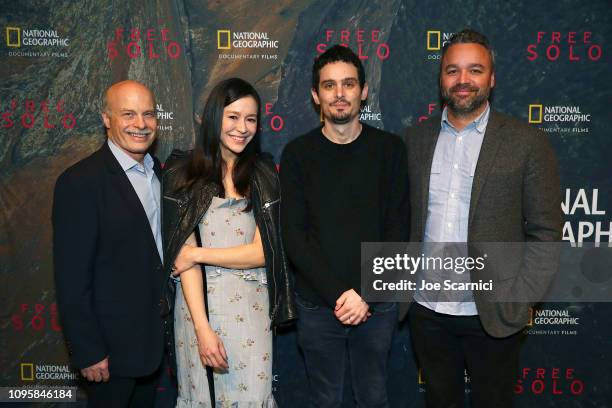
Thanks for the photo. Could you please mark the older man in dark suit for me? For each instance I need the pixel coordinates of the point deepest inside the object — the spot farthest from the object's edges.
(477, 176)
(108, 255)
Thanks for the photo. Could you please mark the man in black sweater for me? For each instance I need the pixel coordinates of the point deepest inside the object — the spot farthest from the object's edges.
(342, 184)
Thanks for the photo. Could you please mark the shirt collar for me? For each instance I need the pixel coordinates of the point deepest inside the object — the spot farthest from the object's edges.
(480, 123)
(125, 161)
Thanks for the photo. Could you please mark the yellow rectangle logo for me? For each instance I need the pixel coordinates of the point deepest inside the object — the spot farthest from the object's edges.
(16, 34)
(420, 378)
(535, 113)
(436, 36)
(228, 43)
(27, 371)
(530, 321)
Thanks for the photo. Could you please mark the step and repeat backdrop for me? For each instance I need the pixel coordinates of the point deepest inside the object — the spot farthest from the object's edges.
(553, 71)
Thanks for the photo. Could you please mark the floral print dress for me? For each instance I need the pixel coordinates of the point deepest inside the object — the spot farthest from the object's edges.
(238, 310)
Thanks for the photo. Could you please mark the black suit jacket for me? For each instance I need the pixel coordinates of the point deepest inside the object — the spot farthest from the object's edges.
(108, 273)
(515, 198)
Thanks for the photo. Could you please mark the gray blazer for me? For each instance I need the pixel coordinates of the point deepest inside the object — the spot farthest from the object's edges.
(515, 197)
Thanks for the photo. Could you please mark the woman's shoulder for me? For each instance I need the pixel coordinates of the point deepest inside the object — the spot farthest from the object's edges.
(265, 162)
(176, 160)
(174, 169)
(265, 176)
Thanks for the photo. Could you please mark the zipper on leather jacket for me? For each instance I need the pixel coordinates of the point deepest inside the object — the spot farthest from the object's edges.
(267, 204)
(277, 289)
(266, 207)
(180, 203)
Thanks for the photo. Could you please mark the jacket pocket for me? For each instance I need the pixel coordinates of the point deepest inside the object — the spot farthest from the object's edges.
(436, 164)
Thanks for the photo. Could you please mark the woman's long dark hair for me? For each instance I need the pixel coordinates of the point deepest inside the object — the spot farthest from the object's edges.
(206, 161)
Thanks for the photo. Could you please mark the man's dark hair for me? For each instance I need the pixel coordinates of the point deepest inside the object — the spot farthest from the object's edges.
(334, 54)
(469, 36)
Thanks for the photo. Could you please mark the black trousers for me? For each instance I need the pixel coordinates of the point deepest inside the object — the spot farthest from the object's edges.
(123, 392)
(445, 345)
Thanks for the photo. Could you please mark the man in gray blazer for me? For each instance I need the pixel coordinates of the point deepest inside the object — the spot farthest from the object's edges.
(476, 176)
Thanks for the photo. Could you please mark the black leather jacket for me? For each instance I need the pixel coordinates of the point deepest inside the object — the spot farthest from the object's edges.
(182, 211)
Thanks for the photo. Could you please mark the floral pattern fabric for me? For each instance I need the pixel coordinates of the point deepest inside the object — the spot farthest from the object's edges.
(238, 313)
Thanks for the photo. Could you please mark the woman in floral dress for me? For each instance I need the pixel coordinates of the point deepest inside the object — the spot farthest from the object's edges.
(235, 338)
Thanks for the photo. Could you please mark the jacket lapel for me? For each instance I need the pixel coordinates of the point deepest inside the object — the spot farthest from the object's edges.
(428, 148)
(157, 169)
(197, 198)
(128, 194)
(486, 159)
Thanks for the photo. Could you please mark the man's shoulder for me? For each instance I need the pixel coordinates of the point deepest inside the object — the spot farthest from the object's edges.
(520, 132)
(86, 171)
(305, 138)
(424, 126)
(511, 122)
(422, 129)
(302, 143)
(382, 137)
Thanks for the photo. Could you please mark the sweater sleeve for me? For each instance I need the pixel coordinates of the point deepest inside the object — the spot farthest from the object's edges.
(303, 248)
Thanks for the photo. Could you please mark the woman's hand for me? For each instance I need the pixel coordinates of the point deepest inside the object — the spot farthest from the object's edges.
(184, 260)
(211, 349)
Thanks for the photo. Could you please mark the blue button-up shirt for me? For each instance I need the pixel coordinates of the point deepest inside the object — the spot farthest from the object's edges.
(147, 187)
(450, 189)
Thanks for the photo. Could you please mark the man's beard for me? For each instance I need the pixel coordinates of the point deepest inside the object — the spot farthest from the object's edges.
(467, 106)
(340, 118)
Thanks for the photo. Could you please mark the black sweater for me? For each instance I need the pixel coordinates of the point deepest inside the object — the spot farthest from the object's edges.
(335, 196)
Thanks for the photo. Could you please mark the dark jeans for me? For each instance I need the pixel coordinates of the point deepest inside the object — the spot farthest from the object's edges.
(445, 345)
(326, 343)
(123, 392)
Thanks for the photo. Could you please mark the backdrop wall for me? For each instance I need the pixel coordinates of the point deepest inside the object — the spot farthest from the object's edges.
(58, 57)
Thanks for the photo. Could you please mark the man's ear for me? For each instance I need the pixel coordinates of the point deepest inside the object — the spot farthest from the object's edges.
(315, 96)
(364, 92)
(106, 120)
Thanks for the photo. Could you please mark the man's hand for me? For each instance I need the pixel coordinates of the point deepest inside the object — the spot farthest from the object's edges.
(184, 260)
(351, 308)
(97, 372)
